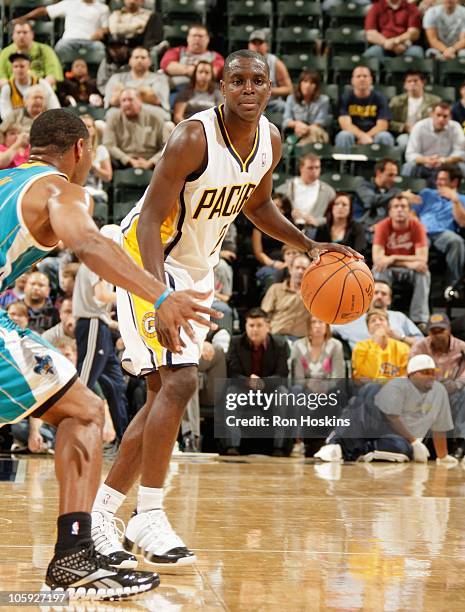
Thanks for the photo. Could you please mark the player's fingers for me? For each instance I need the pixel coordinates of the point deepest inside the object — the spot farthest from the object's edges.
(187, 327)
(211, 312)
(205, 322)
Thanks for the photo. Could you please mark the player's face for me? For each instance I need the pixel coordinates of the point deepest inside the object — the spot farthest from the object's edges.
(257, 330)
(246, 88)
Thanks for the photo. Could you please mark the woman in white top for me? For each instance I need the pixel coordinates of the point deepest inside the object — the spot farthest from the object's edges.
(101, 170)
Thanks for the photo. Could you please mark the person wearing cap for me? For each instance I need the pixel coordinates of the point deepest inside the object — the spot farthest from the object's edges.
(380, 357)
(401, 414)
(12, 94)
(448, 353)
(44, 61)
(281, 84)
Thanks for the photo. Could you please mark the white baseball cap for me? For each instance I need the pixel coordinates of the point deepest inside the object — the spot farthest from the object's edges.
(420, 362)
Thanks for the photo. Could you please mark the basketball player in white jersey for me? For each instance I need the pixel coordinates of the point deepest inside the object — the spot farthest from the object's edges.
(215, 164)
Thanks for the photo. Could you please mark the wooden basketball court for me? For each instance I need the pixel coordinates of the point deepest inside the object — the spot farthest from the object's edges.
(274, 534)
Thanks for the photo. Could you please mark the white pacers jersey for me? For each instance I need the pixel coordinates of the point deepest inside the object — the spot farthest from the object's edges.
(194, 230)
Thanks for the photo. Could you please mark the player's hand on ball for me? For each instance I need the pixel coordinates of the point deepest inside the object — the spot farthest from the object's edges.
(175, 313)
(318, 248)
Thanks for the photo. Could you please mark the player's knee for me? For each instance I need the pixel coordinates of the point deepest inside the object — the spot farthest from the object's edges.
(180, 385)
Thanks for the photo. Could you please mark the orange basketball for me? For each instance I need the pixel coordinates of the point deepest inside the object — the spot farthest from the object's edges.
(338, 289)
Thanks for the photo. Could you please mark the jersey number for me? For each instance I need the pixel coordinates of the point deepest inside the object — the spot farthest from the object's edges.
(224, 229)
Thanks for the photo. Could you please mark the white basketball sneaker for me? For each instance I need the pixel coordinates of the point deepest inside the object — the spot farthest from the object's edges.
(106, 536)
(151, 535)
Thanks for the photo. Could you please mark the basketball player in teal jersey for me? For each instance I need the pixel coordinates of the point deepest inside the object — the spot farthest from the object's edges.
(215, 164)
(41, 202)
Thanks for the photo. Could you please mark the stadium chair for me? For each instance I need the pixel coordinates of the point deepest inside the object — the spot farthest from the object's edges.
(179, 12)
(129, 185)
(176, 34)
(297, 12)
(101, 212)
(121, 209)
(452, 72)
(21, 7)
(44, 32)
(324, 151)
(344, 65)
(332, 91)
(296, 39)
(92, 57)
(238, 36)
(407, 182)
(275, 117)
(295, 63)
(250, 12)
(374, 153)
(341, 182)
(448, 94)
(346, 40)
(396, 67)
(279, 178)
(348, 14)
(86, 109)
(388, 90)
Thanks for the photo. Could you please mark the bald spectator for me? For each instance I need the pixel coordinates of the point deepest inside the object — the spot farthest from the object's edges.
(44, 61)
(445, 30)
(153, 87)
(281, 84)
(179, 62)
(13, 92)
(392, 26)
(35, 104)
(41, 311)
(134, 136)
(283, 302)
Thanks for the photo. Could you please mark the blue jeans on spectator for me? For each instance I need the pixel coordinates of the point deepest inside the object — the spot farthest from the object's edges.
(346, 140)
(452, 245)
(379, 53)
(64, 47)
(227, 321)
(20, 432)
(419, 309)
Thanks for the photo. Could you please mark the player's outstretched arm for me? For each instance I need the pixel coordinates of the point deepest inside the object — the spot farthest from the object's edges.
(263, 213)
(70, 221)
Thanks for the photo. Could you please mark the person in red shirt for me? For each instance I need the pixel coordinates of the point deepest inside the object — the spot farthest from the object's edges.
(392, 26)
(400, 254)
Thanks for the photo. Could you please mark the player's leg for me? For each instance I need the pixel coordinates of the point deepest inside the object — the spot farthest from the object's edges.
(75, 567)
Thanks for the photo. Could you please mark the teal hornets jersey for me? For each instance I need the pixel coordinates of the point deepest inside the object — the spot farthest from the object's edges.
(18, 248)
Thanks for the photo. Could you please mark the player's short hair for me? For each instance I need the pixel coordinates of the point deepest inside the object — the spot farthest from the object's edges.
(246, 54)
(58, 130)
(256, 313)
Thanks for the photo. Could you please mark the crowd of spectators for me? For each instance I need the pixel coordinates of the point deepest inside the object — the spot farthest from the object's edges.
(395, 224)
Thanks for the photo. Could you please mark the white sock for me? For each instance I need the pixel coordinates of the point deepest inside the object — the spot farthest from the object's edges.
(149, 499)
(108, 500)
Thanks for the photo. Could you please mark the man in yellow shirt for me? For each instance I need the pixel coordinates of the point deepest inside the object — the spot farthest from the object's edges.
(380, 357)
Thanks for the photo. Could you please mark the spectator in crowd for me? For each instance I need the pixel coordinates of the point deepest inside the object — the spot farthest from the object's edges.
(259, 358)
(448, 353)
(283, 302)
(14, 149)
(35, 105)
(101, 170)
(153, 88)
(408, 108)
(400, 254)
(307, 112)
(67, 279)
(79, 87)
(130, 22)
(18, 313)
(134, 136)
(65, 327)
(400, 326)
(281, 84)
(458, 109)
(380, 356)
(372, 196)
(402, 413)
(317, 356)
(442, 212)
(200, 94)
(116, 60)
(392, 26)
(340, 226)
(433, 142)
(223, 279)
(16, 293)
(44, 61)
(41, 311)
(86, 23)
(14, 91)
(445, 30)
(179, 62)
(268, 250)
(308, 195)
(364, 113)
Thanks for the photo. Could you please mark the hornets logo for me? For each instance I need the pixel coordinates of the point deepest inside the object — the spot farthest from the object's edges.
(44, 365)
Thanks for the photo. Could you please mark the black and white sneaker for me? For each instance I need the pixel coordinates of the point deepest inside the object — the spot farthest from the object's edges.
(151, 535)
(106, 536)
(85, 574)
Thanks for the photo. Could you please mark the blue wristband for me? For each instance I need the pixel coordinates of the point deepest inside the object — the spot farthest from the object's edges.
(168, 291)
